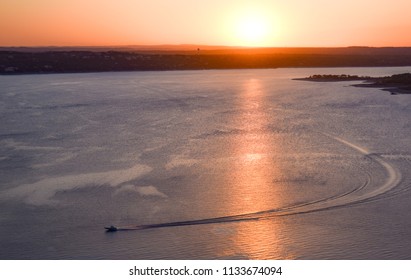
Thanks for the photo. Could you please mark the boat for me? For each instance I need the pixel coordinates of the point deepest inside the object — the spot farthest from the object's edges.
(111, 229)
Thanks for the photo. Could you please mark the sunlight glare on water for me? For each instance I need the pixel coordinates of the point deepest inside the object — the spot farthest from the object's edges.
(251, 181)
(250, 184)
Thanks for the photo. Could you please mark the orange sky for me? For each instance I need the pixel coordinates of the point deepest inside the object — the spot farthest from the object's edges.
(210, 22)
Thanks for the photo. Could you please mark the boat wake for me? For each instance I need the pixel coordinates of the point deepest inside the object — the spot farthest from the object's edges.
(364, 193)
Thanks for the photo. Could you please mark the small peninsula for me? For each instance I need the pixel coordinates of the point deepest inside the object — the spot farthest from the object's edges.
(395, 84)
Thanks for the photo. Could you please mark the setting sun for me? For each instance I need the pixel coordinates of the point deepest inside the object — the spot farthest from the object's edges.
(252, 30)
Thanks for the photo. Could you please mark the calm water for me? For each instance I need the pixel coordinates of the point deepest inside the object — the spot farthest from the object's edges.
(255, 165)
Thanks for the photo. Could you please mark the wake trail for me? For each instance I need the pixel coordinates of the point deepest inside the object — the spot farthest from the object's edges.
(393, 178)
(393, 174)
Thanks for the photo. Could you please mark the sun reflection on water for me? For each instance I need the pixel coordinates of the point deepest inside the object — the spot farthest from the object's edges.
(253, 168)
(252, 187)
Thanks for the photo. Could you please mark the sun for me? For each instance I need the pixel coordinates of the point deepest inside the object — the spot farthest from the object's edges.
(253, 30)
(253, 26)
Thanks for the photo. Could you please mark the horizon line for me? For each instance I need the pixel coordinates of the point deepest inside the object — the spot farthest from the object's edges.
(198, 45)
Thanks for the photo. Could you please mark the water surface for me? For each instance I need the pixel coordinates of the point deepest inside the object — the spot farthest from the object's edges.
(233, 164)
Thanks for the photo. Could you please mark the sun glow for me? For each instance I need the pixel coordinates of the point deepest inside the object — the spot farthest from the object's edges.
(254, 29)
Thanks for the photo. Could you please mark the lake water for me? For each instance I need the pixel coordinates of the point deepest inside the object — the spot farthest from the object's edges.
(234, 164)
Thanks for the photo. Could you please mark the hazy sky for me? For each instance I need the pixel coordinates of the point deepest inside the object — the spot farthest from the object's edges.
(211, 22)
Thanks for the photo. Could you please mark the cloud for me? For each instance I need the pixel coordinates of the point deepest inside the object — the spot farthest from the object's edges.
(43, 191)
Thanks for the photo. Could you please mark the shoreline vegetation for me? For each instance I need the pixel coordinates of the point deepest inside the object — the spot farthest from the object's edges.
(395, 84)
(49, 60)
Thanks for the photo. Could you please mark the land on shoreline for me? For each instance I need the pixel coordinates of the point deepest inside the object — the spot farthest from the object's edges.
(395, 84)
(190, 57)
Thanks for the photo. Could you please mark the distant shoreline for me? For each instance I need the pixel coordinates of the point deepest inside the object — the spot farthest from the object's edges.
(395, 84)
(54, 60)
